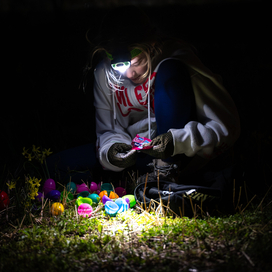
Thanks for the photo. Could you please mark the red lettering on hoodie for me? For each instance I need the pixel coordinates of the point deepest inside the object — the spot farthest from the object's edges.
(123, 102)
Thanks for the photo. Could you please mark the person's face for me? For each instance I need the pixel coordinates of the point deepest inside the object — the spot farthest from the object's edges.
(137, 68)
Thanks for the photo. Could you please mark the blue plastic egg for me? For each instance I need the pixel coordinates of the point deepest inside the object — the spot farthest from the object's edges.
(53, 195)
(71, 187)
(111, 208)
(95, 198)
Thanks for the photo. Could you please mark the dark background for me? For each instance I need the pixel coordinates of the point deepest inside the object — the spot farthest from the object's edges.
(43, 52)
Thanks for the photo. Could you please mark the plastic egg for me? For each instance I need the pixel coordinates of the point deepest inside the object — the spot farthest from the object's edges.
(120, 191)
(95, 198)
(82, 187)
(80, 200)
(105, 199)
(122, 204)
(113, 195)
(39, 197)
(101, 194)
(69, 196)
(132, 201)
(71, 187)
(93, 187)
(4, 200)
(53, 195)
(107, 186)
(84, 194)
(85, 210)
(111, 208)
(127, 200)
(57, 208)
(49, 185)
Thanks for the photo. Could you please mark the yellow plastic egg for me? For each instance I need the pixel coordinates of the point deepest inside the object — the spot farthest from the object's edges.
(57, 208)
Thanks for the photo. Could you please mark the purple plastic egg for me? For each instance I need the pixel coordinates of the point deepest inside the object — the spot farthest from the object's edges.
(82, 187)
(48, 186)
(93, 186)
(39, 197)
(53, 195)
(120, 191)
(105, 199)
(127, 200)
(85, 210)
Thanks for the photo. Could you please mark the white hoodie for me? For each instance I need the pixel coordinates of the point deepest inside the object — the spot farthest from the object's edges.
(123, 114)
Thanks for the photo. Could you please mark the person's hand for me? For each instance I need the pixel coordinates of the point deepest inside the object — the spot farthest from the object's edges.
(163, 146)
(121, 155)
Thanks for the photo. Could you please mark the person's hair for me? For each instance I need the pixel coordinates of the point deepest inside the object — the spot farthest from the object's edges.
(126, 27)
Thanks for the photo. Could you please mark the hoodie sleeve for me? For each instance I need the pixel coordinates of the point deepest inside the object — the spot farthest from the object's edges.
(108, 132)
(217, 126)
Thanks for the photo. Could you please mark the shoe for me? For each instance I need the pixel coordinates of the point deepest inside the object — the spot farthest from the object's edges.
(160, 170)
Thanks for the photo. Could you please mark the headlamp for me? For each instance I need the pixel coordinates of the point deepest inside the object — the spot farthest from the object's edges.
(120, 66)
(120, 60)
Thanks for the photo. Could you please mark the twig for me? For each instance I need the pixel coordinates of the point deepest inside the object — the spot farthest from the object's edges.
(22, 221)
(145, 189)
(264, 198)
(12, 226)
(180, 211)
(245, 191)
(248, 203)
(192, 205)
(233, 196)
(239, 197)
(247, 257)
(98, 209)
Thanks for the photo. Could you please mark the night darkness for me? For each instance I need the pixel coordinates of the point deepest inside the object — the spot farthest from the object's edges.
(44, 51)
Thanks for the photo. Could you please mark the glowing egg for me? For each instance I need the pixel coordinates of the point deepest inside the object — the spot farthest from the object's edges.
(120, 191)
(85, 210)
(57, 208)
(95, 198)
(111, 208)
(53, 195)
(48, 186)
(4, 200)
(71, 187)
(82, 187)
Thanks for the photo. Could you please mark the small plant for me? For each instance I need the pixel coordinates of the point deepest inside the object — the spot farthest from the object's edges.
(37, 154)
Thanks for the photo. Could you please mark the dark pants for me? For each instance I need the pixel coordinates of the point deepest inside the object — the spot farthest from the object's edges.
(174, 104)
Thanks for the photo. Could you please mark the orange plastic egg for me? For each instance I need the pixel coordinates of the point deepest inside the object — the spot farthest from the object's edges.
(102, 193)
(113, 195)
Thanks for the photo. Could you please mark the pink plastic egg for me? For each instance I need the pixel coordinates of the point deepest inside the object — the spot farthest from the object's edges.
(4, 200)
(82, 187)
(120, 191)
(85, 210)
(93, 187)
(48, 186)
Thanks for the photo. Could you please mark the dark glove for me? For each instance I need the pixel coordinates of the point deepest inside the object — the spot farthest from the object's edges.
(121, 155)
(163, 146)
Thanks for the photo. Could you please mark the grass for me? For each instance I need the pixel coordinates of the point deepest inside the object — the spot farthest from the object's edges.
(136, 240)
